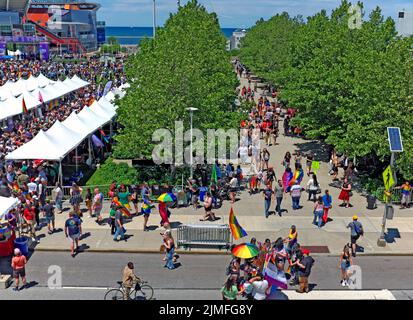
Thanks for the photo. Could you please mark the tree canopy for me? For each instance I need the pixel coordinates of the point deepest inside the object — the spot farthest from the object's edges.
(349, 84)
(186, 65)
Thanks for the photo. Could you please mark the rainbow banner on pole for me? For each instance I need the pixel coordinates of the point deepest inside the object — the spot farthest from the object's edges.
(237, 231)
(298, 176)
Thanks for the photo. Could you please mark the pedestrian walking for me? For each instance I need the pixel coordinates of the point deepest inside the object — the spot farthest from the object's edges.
(279, 195)
(287, 160)
(209, 215)
(120, 230)
(169, 244)
(58, 197)
(98, 205)
(112, 217)
(346, 262)
(291, 240)
(304, 270)
(73, 230)
(268, 194)
(406, 193)
(328, 204)
(164, 213)
(295, 193)
(88, 202)
(49, 213)
(229, 291)
(233, 188)
(345, 194)
(318, 212)
(146, 209)
(29, 219)
(265, 158)
(76, 198)
(312, 188)
(356, 230)
(309, 162)
(18, 264)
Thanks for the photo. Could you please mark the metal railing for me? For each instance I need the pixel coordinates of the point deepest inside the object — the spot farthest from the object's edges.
(204, 235)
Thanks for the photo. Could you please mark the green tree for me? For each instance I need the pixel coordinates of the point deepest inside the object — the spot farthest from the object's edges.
(348, 84)
(185, 66)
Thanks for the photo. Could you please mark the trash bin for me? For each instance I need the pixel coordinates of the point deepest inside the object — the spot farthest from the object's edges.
(22, 243)
(371, 202)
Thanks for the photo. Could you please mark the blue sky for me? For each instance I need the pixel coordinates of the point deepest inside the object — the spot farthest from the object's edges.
(231, 13)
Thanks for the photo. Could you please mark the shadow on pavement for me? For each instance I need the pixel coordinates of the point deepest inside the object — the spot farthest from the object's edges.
(391, 235)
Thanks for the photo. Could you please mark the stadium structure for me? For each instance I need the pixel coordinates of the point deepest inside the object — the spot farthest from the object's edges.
(67, 25)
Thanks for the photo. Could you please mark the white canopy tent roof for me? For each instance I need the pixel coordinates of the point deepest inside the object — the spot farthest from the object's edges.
(6, 204)
(30, 88)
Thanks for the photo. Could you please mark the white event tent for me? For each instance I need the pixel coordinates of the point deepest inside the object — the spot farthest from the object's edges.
(63, 137)
(6, 204)
(12, 93)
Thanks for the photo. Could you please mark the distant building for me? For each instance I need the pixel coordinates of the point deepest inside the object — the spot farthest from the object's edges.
(404, 23)
(69, 25)
(235, 41)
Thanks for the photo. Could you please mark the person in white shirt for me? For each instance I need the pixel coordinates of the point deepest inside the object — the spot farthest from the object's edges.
(260, 286)
(32, 186)
(233, 184)
(295, 193)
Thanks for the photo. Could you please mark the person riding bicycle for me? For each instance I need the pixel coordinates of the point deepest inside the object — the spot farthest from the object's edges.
(129, 279)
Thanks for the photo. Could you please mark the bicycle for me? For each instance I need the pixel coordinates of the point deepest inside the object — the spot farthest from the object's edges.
(142, 291)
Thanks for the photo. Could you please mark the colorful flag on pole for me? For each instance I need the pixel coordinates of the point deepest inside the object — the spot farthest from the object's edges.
(274, 276)
(24, 106)
(97, 142)
(298, 176)
(214, 176)
(104, 136)
(123, 209)
(41, 97)
(237, 231)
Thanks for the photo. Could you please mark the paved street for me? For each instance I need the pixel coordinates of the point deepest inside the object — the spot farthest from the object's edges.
(250, 213)
(199, 276)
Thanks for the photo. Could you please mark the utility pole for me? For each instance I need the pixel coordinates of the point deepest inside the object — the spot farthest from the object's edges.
(396, 146)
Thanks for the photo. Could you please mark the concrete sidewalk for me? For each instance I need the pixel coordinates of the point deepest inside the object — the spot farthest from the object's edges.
(250, 214)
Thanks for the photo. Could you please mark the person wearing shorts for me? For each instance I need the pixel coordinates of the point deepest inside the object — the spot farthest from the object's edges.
(73, 230)
(48, 210)
(146, 211)
(97, 205)
(356, 231)
(18, 264)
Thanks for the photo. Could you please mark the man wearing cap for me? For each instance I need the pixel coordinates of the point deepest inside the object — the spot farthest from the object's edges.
(356, 229)
(304, 270)
(18, 264)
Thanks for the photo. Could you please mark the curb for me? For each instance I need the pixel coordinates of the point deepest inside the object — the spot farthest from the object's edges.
(212, 252)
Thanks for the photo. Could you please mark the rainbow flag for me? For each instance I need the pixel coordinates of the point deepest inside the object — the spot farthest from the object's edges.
(237, 231)
(298, 176)
(105, 138)
(124, 210)
(24, 106)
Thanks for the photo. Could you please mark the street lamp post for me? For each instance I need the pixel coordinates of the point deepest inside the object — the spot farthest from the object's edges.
(191, 112)
(154, 18)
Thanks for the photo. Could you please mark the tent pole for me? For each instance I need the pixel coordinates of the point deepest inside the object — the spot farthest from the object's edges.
(60, 173)
(76, 160)
(90, 150)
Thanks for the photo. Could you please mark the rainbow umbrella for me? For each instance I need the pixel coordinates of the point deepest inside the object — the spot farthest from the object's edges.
(245, 251)
(167, 197)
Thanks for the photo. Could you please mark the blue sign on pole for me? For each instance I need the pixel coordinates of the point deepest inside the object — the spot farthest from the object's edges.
(395, 139)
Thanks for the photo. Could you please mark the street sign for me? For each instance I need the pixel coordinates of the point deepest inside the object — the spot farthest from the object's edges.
(395, 139)
(315, 165)
(388, 178)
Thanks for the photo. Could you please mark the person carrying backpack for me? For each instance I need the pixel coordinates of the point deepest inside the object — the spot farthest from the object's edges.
(356, 229)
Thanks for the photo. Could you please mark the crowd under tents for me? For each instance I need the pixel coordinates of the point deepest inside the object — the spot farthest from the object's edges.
(63, 137)
(35, 91)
